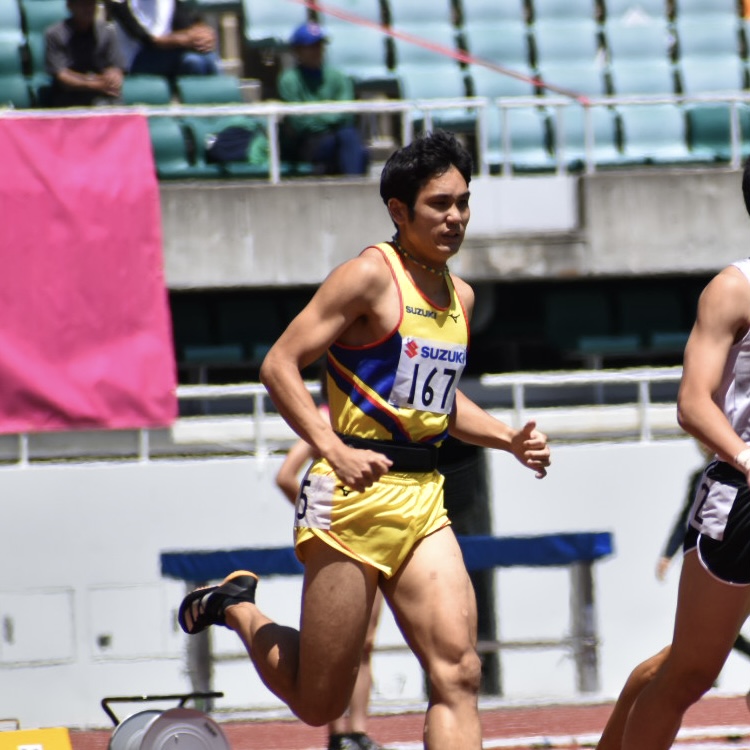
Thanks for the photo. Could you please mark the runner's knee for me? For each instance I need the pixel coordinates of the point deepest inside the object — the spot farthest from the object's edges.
(459, 676)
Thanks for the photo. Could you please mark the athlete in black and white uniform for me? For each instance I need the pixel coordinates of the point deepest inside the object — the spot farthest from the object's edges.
(714, 595)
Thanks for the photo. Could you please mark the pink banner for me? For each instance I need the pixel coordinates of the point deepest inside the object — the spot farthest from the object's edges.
(85, 339)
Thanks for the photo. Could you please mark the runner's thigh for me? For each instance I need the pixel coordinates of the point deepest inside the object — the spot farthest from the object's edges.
(433, 601)
(337, 597)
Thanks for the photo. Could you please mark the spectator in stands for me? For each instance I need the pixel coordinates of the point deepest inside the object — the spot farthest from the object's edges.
(393, 323)
(713, 405)
(83, 57)
(331, 142)
(164, 37)
(349, 731)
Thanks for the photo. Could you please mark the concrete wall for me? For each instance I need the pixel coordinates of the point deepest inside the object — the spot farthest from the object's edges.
(610, 223)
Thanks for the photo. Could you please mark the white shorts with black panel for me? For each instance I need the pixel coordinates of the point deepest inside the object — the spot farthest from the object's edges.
(719, 524)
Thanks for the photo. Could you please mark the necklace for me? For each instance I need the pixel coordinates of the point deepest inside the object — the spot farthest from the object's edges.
(404, 254)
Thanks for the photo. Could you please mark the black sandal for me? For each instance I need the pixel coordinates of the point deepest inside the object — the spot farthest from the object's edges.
(206, 606)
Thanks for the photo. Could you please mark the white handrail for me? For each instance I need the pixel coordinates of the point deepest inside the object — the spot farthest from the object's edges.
(275, 111)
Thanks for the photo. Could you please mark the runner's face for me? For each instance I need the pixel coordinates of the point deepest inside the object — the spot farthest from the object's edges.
(441, 213)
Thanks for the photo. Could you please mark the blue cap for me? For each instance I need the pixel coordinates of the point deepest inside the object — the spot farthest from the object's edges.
(307, 34)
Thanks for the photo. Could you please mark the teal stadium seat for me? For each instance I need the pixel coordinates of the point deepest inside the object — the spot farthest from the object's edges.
(38, 15)
(14, 92)
(503, 42)
(146, 89)
(635, 8)
(412, 15)
(269, 23)
(492, 11)
(170, 149)
(638, 39)
(576, 313)
(633, 77)
(578, 78)
(493, 85)
(565, 40)
(707, 35)
(654, 314)
(200, 129)
(570, 129)
(684, 8)
(525, 130)
(710, 130)
(10, 57)
(360, 52)
(563, 9)
(219, 89)
(655, 134)
(11, 24)
(711, 74)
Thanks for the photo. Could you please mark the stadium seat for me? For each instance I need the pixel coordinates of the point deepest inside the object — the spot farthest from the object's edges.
(220, 89)
(652, 313)
(701, 75)
(634, 9)
(576, 313)
(655, 134)
(563, 9)
(442, 80)
(170, 149)
(503, 42)
(200, 129)
(710, 131)
(492, 84)
(648, 38)
(38, 15)
(14, 92)
(650, 76)
(10, 57)
(711, 35)
(528, 140)
(413, 14)
(570, 136)
(269, 23)
(411, 54)
(578, 78)
(11, 24)
(685, 8)
(491, 11)
(361, 52)
(146, 89)
(35, 45)
(565, 40)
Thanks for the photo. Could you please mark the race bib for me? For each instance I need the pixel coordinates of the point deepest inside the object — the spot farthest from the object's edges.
(427, 375)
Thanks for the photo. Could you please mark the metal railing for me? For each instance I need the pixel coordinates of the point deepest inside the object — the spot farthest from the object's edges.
(239, 420)
(429, 111)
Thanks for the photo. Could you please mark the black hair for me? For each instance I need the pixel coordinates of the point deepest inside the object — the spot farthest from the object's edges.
(746, 185)
(411, 167)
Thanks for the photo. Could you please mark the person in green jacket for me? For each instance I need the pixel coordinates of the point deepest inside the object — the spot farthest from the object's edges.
(331, 142)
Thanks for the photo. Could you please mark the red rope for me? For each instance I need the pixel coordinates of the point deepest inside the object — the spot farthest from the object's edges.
(456, 54)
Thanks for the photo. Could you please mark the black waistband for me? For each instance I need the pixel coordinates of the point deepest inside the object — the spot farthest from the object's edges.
(406, 457)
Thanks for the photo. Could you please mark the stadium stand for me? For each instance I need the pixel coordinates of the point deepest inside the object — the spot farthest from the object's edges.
(565, 40)
(11, 28)
(520, 141)
(642, 38)
(655, 134)
(632, 77)
(219, 89)
(576, 152)
(269, 24)
(491, 11)
(580, 78)
(563, 9)
(146, 89)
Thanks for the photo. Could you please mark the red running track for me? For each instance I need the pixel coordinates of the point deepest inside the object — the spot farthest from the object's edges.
(562, 724)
